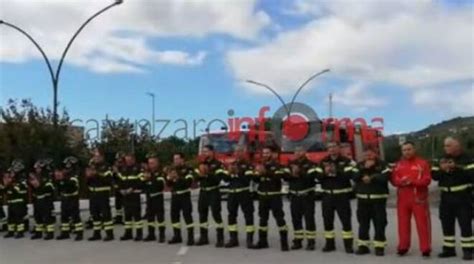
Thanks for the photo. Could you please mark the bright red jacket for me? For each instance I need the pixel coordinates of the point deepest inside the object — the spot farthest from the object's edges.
(412, 177)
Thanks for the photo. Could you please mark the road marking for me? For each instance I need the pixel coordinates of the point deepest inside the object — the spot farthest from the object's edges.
(177, 262)
(182, 251)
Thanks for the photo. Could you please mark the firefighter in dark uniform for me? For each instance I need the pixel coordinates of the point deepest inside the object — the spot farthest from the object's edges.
(209, 175)
(335, 182)
(3, 217)
(99, 182)
(67, 182)
(302, 183)
(269, 175)
(153, 184)
(43, 200)
(455, 180)
(17, 199)
(130, 185)
(239, 178)
(371, 187)
(118, 219)
(179, 178)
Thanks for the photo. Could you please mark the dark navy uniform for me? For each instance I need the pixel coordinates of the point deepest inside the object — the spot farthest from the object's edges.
(181, 202)
(43, 198)
(68, 191)
(130, 185)
(372, 205)
(100, 189)
(155, 209)
(335, 182)
(3, 217)
(455, 204)
(210, 198)
(302, 183)
(17, 200)
(270, 200)
(239, 181)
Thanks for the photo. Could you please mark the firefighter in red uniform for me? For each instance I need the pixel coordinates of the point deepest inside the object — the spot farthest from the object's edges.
(412, 176)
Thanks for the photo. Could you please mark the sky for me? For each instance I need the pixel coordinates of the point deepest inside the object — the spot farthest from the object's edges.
(408, 61)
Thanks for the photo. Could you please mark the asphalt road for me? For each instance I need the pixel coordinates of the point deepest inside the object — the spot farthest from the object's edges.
(65, 252)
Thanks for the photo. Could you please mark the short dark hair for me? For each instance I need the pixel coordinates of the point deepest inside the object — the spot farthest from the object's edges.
(209, 147)
(370, 148)
(408, 143)
(270, 147)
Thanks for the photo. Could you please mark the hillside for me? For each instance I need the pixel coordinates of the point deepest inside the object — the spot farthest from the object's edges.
(430, 139)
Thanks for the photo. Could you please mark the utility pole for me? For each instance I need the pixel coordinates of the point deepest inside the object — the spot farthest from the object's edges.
(152, 95)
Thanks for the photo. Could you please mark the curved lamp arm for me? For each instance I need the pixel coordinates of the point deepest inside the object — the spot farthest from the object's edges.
(46, 59)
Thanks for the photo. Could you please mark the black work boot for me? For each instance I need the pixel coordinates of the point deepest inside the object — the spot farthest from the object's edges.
(284, 240)
(297, 244)
(3, 228)
(379, 251)
(349, 245)
(162, 234)
(311, 245)
(220, 238)
(109, 235)
(467, 253)
(49, 236)
(330, 245)
(191, 237)
(447, 252)
(9, 234)
(249, 240)
(63, 235)
(19, 235)
(203, 239)
(362, 250)
(37, 235)
(127, 235)
(96, 236)
(262, 241)
(151, 234)
(176, 239)
(79, 236)
(233, 240)
(139, 235)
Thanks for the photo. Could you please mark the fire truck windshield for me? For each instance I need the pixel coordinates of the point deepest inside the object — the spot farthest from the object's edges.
(221, 142)
(288, 145)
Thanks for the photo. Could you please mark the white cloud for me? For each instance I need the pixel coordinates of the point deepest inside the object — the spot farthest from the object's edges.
(180, 58)
(410, 44)
(118, 39)
(357, 96)
(457, 100)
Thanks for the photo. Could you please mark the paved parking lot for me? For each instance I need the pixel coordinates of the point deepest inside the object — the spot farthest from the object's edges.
(116, 252)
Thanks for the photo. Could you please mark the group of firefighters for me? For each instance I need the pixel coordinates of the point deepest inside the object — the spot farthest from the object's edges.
(336, 174)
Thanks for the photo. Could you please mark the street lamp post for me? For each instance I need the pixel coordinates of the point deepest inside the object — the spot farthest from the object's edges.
(55, 75)
(152, 95)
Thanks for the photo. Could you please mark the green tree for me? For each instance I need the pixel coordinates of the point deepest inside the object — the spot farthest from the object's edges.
(27, 133)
